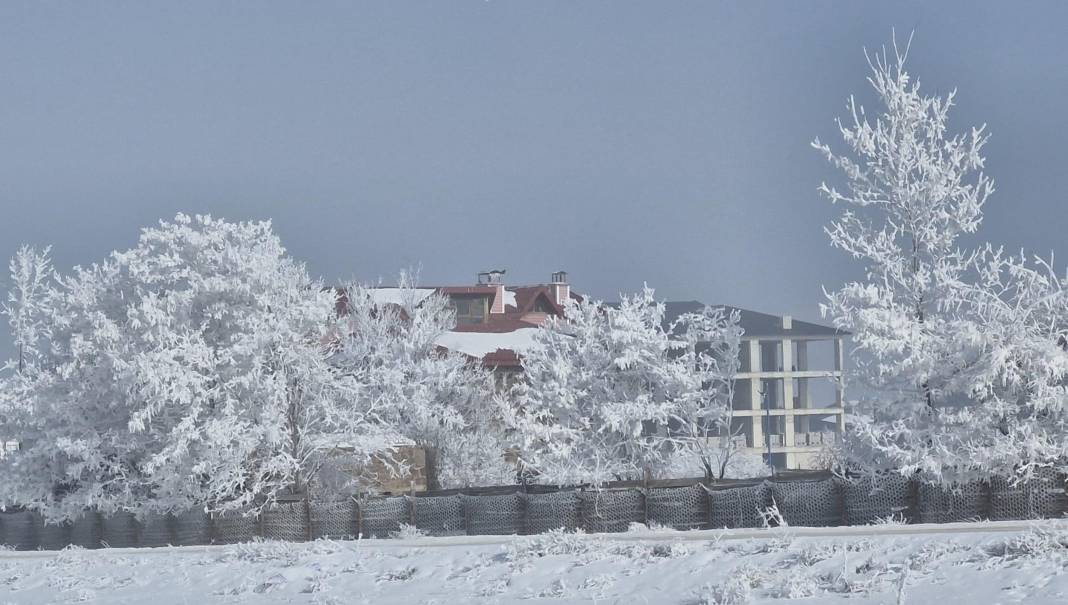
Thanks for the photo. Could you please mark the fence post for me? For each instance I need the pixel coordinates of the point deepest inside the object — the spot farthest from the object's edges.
(707, 486)
(526, 508)
(171, 521)
(646, 476)
(98, 528)
(467, 514)
(914, 499)
(411, 504)
(987, 497)
(359, 517)
(308, 531)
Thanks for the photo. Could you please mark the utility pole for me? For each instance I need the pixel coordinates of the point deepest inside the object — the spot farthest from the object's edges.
(767, 423)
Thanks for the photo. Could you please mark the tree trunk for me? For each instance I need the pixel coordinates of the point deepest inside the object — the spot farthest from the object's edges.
(431, 455)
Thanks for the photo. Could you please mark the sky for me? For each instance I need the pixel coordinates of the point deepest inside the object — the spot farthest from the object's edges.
(623, 142)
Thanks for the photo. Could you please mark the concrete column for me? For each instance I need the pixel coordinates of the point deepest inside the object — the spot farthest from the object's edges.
(839, 363)
(804, 399)
(788, 392)
(756, 422)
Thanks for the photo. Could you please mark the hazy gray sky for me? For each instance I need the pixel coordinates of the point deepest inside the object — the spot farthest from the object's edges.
(623, 142)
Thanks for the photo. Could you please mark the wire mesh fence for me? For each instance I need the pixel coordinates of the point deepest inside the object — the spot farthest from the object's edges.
(867, 500)
(118, 530)
(807, 503)
(612, 510)
(380, 517)
(286, 521)
(738, 506)
(85, 531)
(678, 507)
(813, 500)
(233, 528)
(191, 527)
(18, 530)
(440, 515)
(333, 519)
(494, 515)
(52, 536)
(1041, 498)
(554, 510)
(939, 504)
(156, 530)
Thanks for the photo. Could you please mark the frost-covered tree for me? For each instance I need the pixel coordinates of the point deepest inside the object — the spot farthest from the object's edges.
(609, 394)
(440, 400)
(31, 272)
(961, 351)
(704, 422)
(1016, 334)
(192, 369)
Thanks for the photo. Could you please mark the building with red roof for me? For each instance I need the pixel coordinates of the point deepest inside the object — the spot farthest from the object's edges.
(495, 323)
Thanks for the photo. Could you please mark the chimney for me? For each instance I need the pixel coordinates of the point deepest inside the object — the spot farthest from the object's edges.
(494, 278)
(787, 322)
(561, 289)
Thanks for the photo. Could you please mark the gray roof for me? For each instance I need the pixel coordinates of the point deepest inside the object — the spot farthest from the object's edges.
(754, 323)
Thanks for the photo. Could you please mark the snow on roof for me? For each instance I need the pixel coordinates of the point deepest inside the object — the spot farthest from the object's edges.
(396, 296)
(479, 344)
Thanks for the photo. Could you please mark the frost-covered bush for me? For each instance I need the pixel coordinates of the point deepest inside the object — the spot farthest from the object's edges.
(609, 393)
(475, 457)
(407, 532)
(193, 369)
(737, 589)
(27, 304)
(204, 368)
(1037, 543)
(797, 584)
(555, 542)
(440, 400)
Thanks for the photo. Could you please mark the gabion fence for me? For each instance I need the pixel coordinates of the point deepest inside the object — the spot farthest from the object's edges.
(815, 500)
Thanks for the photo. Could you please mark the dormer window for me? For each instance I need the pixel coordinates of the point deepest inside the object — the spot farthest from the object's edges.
(470, 309)
(542, 306)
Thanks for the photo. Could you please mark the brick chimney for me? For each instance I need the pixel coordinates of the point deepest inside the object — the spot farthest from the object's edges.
(494, 278)
(560, 287)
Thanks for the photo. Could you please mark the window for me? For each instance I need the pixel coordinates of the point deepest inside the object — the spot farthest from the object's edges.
(542, 306)
(771, 355)
(470, 310)
(816, 393)
(817, 355)
(743, 395)
(772, 389)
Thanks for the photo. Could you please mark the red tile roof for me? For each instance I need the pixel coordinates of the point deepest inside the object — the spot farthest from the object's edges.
(511, 320)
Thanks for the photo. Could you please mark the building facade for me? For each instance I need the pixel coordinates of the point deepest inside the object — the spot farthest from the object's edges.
(788, 396)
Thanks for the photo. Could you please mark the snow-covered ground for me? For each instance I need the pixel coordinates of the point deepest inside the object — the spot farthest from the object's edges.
(965, 563)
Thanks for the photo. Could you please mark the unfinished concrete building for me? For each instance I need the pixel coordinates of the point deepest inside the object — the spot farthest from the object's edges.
(788, 400)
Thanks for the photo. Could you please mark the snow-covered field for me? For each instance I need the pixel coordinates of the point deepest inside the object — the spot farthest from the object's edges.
(968, 564)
